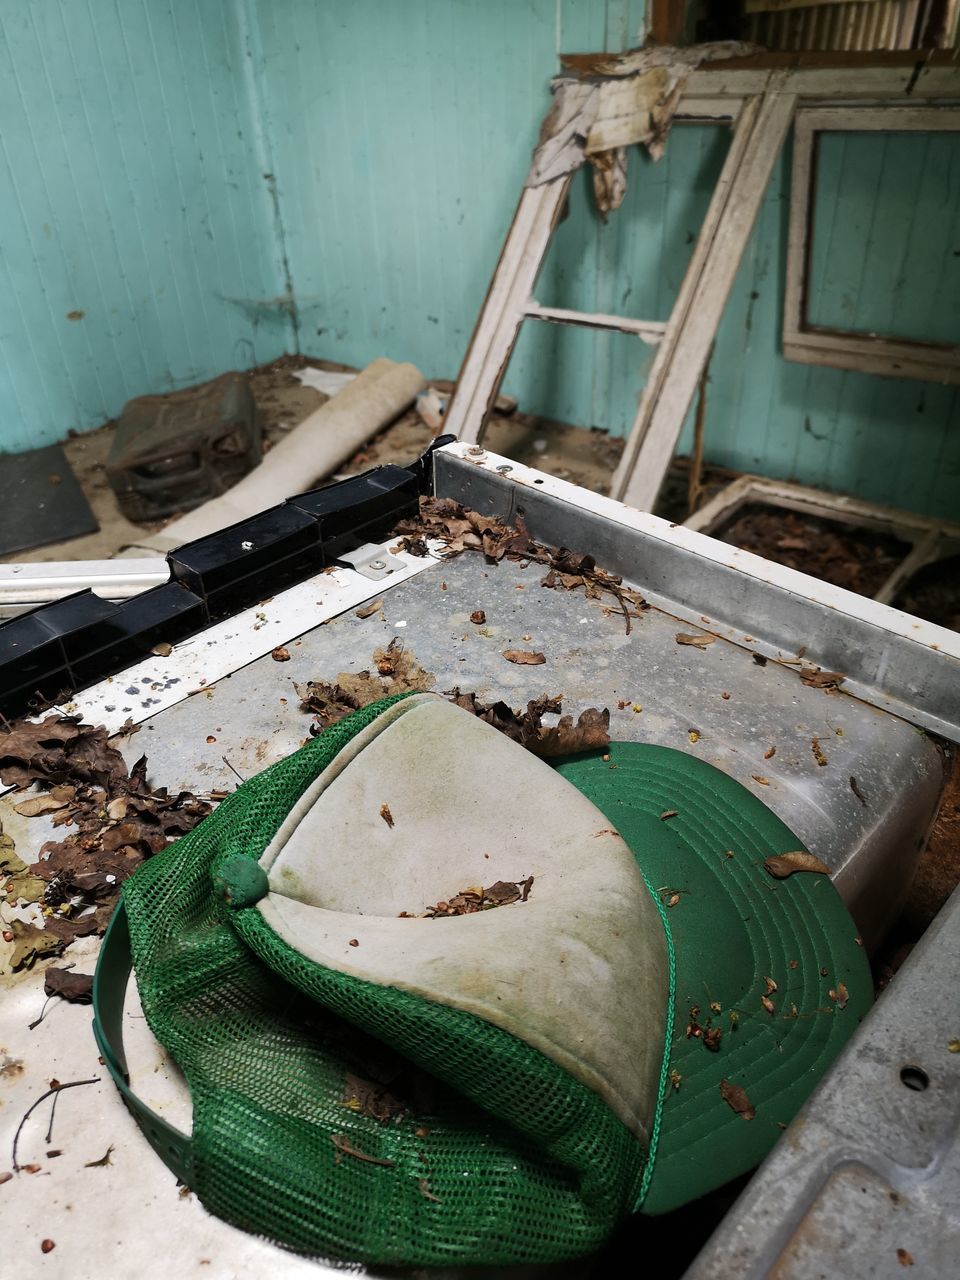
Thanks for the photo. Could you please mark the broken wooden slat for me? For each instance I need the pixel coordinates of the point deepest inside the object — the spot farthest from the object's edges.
(504, 309)
(681, 356)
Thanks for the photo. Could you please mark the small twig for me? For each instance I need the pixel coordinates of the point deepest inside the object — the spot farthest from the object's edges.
(342, 1145)
(230, 766)
(53, 1111)
(43, 1013)
(71, 1084)
(426, 1192)
(694, 477)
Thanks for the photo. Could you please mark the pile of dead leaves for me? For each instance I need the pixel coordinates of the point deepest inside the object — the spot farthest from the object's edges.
(115, 821)
(396, 671)
(590, 733)
(464, 530)
(468, 901)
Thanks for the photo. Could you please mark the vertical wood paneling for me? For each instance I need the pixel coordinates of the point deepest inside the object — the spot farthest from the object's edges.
(214, 181)
(130, 192)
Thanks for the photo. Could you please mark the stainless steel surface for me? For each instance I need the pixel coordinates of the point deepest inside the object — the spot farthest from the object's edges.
(872, 848)
(774, 610)
(866, 1181)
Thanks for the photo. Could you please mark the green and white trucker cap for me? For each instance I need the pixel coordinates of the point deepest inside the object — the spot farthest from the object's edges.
(502, 1086)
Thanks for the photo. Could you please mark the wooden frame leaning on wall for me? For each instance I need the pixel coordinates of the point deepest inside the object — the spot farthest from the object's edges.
(759, 95)
(896, 357)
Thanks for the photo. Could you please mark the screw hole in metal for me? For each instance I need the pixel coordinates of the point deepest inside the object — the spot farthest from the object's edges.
(914, 1078)
(504, 470)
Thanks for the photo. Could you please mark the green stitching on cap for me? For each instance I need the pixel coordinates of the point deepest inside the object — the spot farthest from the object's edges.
(664, 1083)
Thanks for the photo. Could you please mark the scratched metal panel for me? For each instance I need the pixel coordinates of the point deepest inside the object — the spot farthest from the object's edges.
(137, 251)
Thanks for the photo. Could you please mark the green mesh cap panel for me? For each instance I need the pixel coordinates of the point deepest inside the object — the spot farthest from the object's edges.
(502, 1156)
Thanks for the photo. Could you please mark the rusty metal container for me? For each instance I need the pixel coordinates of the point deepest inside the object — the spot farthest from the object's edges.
(172, 452)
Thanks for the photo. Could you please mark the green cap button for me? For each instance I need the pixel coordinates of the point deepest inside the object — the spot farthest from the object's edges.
(241, 882)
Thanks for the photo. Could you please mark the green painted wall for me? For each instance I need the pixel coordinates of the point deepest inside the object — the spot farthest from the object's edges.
(131, 199)
(214, 181)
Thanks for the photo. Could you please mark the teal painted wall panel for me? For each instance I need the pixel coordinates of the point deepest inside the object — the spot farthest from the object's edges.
(401, 136)
(130, 192)
(886, 241)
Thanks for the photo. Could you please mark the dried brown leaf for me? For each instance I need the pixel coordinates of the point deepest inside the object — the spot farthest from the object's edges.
(478, 617)
(524, 657)
(386, 815)
(817, 679)
(69, 985)
(785, 864)
(280, 654)
(699, 641)
(736, 1098)
(368, 610)
(36, 805)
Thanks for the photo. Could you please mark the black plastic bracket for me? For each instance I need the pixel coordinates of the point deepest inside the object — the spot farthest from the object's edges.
(51, 651)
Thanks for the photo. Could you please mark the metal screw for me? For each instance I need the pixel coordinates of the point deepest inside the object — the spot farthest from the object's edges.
(504, 469)
(246, 546)
(378, 564)
(475, 451)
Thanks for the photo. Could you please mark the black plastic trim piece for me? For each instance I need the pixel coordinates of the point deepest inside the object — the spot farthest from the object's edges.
(50, 652)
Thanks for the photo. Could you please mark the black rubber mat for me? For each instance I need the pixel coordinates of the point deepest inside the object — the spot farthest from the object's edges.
(40, 500)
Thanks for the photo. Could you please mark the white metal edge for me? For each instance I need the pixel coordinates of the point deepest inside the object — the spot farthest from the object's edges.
(198, 662)
(883, 616)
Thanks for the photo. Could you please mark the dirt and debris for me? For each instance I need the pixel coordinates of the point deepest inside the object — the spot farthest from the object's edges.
(118, 820)
(736, 1098)
(478, 617)
(786, 864)
(461, 529)
(398, 671)
(709, 1035)
(934, 593)
(372, 1098)
(386, 815)
(818, 752)
(475, 898)
(858, 559)
(591, 731)
(280, 654)
(839, 994)
(104, 1160)
(855, 788)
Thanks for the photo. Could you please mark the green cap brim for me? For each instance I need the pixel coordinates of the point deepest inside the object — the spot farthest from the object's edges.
(733, 927)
